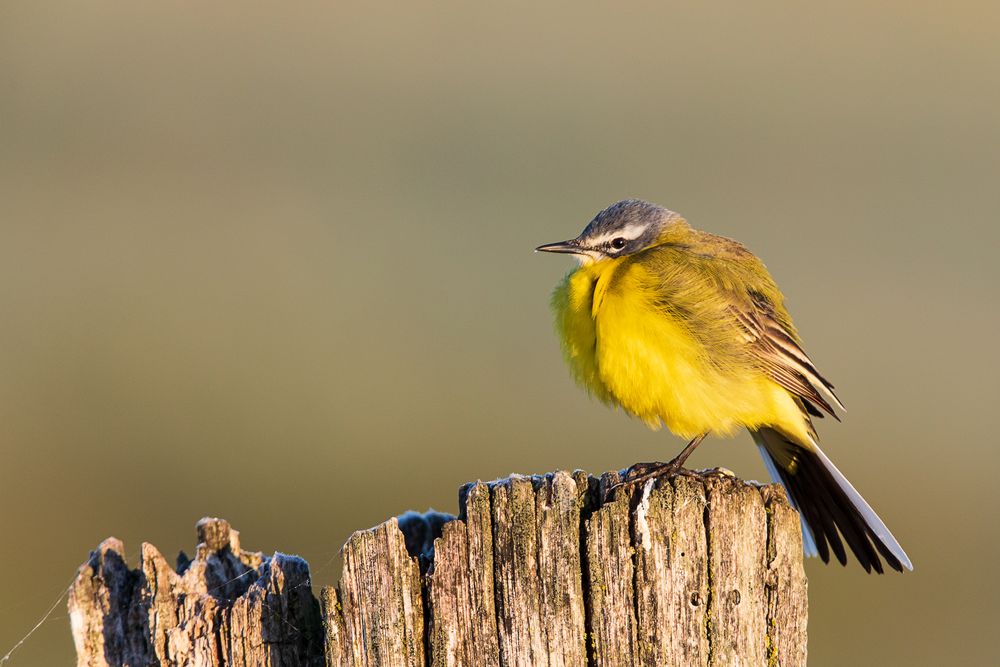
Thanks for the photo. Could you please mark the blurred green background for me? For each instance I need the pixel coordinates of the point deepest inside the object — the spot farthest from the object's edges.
(274, 264)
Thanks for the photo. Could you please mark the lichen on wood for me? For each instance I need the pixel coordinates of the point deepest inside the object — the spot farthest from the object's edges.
(554, 569)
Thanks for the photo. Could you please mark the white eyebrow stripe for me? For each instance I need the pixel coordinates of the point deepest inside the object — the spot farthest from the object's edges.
(629, 232)
(633, 231)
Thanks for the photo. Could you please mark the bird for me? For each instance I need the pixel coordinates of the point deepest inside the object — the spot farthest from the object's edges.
(683, 328)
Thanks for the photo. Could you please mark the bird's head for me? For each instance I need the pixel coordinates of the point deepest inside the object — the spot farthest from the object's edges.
(624, 228)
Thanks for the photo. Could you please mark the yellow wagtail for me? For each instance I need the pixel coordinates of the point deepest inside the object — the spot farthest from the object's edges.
(685, 328)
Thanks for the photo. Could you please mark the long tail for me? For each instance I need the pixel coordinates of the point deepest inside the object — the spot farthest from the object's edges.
(827, 503)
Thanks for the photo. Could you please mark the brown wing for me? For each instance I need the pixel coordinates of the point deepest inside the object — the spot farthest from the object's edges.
(781, 357)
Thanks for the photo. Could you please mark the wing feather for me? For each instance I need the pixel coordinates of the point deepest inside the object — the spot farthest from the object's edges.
(780, 355)
(706, 267)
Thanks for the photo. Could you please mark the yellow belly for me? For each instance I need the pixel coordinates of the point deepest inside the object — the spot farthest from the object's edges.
(629, 352)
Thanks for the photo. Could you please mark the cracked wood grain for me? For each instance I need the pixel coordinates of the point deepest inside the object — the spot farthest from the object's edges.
(382, 604)
(460, 587)
(785, 581)
(736, 526)
(545, 570)
(538, 571)
(610, 581)
(671, 583)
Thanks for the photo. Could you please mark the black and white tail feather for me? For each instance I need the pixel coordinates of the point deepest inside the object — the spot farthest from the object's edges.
(828, 505)
(830, 508)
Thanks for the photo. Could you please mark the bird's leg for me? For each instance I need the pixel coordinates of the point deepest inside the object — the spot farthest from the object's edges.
(678, 461)
(642, 472)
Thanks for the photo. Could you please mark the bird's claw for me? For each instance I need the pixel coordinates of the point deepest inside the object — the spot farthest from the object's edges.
(644, 472)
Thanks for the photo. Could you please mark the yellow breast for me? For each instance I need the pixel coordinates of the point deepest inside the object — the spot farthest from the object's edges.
(626, 349)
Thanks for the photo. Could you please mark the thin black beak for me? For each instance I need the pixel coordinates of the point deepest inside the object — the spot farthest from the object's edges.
(571, 247)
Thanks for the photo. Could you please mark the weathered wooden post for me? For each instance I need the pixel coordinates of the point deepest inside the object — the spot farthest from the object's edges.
(535, 571)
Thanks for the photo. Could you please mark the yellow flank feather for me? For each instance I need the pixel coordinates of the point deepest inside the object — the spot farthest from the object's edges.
(654, 333)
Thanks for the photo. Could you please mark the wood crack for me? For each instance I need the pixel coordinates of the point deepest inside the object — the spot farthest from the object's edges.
(546, 570)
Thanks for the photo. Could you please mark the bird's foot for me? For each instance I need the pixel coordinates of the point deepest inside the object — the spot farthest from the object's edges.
(643, 472)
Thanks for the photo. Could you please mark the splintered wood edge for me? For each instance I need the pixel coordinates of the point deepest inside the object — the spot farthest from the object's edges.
(196, 613)
(706, 568)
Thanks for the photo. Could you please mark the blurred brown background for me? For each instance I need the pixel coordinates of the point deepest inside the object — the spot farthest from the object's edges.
(275, 265)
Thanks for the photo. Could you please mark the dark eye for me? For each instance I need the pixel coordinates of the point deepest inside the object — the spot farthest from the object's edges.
(618, 243)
